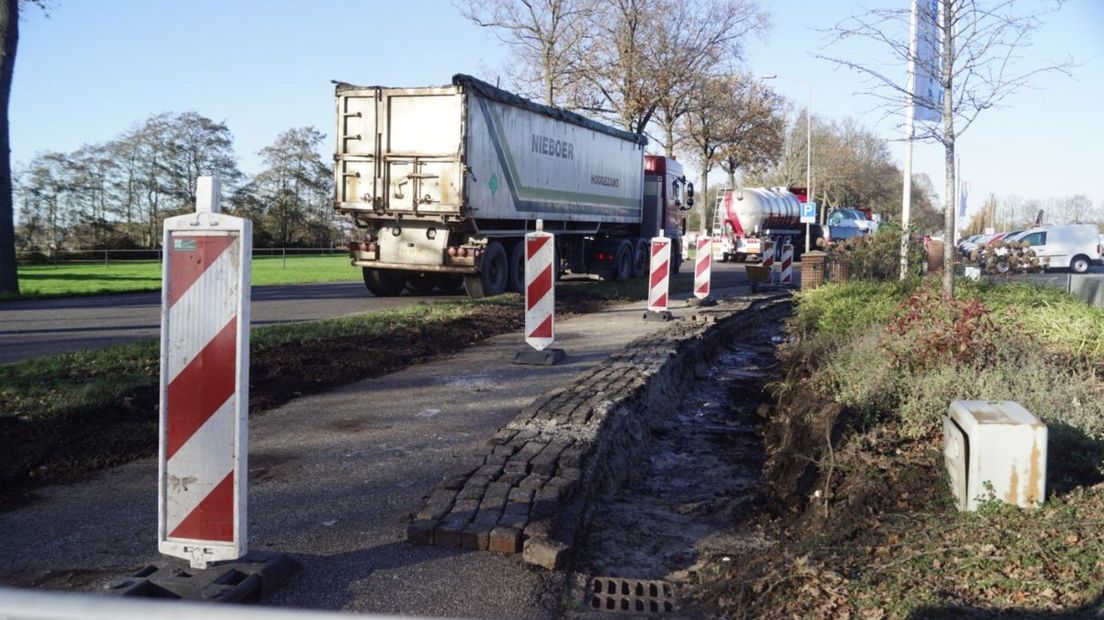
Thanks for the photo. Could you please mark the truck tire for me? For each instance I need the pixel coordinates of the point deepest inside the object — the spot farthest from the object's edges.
(676, 258)
(384, 282)
(1079, 264)
(421, 282)
(494, 270)
(516, 281)
(623, 266)
(642, 257)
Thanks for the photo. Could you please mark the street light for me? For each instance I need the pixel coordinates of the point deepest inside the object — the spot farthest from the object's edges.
(808, 142)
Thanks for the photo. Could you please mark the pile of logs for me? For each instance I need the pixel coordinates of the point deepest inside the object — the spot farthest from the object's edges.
(1008, 257)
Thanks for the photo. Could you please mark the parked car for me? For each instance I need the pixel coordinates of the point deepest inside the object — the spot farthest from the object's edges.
(851, 218)
(1069, 246)
(976, 243)
(1007, 237)
(962, 243)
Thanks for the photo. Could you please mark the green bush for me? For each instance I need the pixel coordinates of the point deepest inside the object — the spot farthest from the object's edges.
(934, 351)
(839, 309)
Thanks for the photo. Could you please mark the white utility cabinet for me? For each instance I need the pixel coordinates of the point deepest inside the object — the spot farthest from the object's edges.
(999, 443)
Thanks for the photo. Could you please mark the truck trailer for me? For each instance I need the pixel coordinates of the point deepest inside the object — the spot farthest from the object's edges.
(443, 183)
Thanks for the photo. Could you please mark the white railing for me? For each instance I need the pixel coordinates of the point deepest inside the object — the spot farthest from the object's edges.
(41, 605)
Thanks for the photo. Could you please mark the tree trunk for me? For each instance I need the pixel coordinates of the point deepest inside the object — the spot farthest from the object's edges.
(9, 38)
(949, 150)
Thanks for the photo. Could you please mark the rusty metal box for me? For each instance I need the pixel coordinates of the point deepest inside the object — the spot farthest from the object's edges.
(994, 450)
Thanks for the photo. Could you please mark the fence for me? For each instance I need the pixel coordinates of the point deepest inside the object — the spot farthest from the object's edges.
(106, 257)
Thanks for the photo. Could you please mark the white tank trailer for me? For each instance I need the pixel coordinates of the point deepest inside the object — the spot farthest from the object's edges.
(444, 182)
(746, 217)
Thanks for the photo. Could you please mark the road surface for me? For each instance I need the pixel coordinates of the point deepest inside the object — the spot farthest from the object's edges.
(34, 328)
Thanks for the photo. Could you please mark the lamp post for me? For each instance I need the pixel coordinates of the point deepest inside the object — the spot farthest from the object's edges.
(808, 142)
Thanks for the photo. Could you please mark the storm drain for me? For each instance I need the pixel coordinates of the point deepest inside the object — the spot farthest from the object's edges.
(633, 596)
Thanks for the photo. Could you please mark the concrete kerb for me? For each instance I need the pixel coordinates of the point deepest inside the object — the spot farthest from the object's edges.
(528, 490)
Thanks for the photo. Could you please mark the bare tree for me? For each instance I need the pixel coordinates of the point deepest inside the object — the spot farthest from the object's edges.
(646, 55)
(979, 45)
(692, 39)
(754, 131)
(733, 120)
(547, 36)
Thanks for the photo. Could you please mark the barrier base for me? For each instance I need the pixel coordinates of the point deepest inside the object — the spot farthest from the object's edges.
(694, 302)
(651, 315)
(248, 579)
(532, 357)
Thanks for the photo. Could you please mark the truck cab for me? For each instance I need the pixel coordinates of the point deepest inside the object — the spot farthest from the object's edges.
(667, 194)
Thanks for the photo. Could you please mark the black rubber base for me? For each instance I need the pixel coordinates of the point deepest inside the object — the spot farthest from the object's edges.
(658, 316)
(532, 357)
(248, 579)
(694, 302)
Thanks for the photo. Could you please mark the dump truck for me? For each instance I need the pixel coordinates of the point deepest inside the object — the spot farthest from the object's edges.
(443, 183)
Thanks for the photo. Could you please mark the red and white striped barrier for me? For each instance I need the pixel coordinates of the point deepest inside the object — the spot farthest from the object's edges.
(703, 263)
(204, 382)
(540, 290)
(660, 270)
(787, 264)
(768, 258)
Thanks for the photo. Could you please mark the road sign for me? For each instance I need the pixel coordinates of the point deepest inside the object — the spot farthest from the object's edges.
(808, 213)
(204, 383)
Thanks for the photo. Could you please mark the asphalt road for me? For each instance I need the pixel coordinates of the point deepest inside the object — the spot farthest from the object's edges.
(34, 328)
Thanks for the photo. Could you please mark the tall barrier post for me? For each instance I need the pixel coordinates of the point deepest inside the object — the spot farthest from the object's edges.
(703, 272)
(787, 264)
(540, 299)
(659, 279)
(204, 383)
(768, 259)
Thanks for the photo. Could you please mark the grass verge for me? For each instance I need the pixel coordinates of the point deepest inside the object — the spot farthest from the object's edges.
(70, 280)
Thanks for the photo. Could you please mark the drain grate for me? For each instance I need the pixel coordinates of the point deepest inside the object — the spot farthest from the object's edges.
(635, 596)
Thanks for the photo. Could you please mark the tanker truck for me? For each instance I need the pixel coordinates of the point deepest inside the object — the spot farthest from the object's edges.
(746, 217)
(443, 183)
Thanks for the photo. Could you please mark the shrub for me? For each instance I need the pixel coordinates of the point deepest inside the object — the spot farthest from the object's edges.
(935, 351)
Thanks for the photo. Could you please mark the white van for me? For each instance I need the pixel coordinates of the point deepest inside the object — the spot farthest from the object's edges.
(1069, 246)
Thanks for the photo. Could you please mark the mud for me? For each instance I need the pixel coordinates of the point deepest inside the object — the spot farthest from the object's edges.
(689, 503)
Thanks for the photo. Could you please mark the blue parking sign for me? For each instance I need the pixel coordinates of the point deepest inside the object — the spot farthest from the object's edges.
(808, 212)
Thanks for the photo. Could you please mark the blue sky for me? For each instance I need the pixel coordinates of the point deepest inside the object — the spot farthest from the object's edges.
(90, 70)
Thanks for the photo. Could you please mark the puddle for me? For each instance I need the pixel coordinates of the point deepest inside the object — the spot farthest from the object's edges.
(685, 503)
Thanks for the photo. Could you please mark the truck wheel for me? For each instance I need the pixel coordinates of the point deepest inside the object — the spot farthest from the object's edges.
(623, 261)
(676, 258)
(421, 282)
(1079, 264)
(493, 273)
(384, 282)
(642, 257)
(516, 281)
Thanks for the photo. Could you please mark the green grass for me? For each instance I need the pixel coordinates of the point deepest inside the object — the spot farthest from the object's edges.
(1061, 321)
(43, 281)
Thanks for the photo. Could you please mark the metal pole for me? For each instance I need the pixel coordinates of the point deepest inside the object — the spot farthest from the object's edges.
(910, 122)
(808, 156)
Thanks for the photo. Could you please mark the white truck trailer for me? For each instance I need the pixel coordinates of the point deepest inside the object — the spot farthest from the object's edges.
(444, 182)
